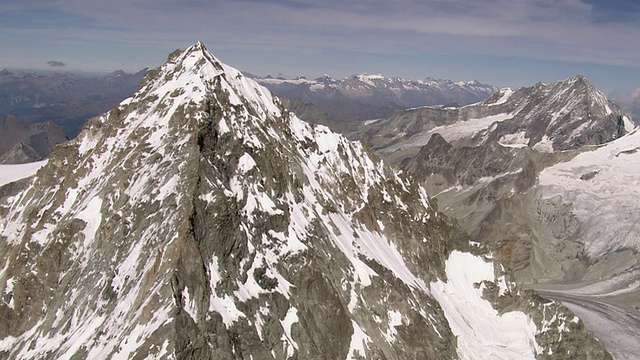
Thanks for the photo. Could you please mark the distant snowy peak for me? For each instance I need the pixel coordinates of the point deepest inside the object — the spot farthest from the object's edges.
(377, 80)
(379, 90)
(561, 96)
(562, 115)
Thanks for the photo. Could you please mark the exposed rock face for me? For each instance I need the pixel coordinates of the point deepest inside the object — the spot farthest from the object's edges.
(200, 220)
(483, 161)
(364, 97)
(522, 175)
(563, 115)
(22, 143)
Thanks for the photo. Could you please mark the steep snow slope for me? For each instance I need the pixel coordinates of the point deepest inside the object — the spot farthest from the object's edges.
(201, 220)
(10, 173)
(603, 187)
(479, 327)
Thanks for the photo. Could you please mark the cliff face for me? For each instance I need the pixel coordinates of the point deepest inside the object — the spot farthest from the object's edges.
(564, 115)
(201, 220)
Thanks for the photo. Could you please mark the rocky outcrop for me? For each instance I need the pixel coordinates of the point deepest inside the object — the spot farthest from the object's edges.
(201, 220)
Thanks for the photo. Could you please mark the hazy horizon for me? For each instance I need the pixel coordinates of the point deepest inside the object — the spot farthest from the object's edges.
(505, 43)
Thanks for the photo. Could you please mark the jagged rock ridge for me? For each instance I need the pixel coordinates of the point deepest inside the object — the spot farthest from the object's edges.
(199, 219)
(563, 115)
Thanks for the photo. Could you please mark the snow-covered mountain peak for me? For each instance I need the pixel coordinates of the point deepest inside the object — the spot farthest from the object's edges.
(200, 220)
(195, 72)
(563, 115)
(369, 79)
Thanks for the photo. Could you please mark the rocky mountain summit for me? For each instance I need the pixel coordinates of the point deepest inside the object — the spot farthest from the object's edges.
(542, 175)
(563, 115)
(341, 102)
(199, 219)
(479, 158)
(23, 143)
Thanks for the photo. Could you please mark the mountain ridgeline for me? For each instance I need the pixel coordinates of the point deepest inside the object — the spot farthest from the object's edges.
(199, 219)
(562, 115)
(342, 103)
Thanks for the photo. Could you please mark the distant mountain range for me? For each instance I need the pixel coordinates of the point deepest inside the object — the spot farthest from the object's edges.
(364, 97)
(21, 142)
(66, 99)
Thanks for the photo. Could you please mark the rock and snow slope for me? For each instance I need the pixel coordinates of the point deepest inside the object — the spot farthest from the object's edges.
(483, 160)
(603, 187)
(562, 115)
(546, 176)
(201, 220)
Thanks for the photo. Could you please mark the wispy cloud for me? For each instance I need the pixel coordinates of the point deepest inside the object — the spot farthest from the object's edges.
(558, 30)
(551, 30)
(56, 64)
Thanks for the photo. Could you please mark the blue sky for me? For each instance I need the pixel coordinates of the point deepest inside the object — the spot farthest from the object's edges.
(501, 42)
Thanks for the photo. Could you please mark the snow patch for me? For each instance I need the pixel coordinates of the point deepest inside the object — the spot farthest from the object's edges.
(11, 173)
(517, 140)
(479, 327)
(290, 318)
(245, 163)
(506, 94)
(359, 342)
(544, 145)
